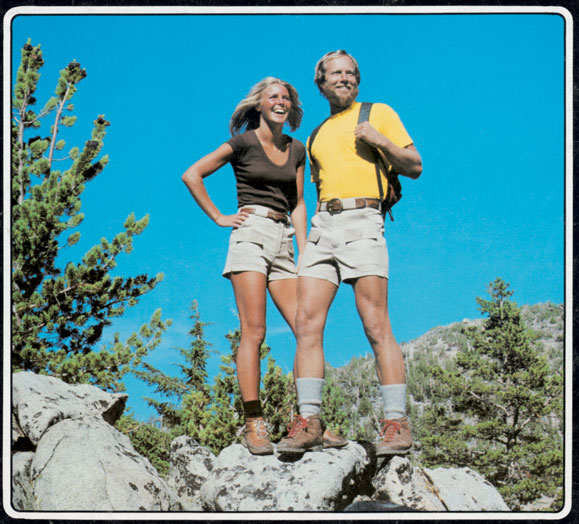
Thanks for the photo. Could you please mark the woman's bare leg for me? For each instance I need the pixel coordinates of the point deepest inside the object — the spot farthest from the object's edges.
(249, 288)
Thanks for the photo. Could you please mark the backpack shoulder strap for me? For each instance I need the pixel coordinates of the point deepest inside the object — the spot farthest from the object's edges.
(312, 138)
(364, 116)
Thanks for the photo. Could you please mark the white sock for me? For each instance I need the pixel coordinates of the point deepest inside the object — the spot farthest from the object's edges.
(394, 397)
(309, 395)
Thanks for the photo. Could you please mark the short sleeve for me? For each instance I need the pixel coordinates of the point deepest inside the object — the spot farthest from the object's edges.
(300, 154)
(391, 126)
(238, 144)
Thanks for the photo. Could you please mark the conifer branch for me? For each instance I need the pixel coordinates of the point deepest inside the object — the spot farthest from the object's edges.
(63, 100)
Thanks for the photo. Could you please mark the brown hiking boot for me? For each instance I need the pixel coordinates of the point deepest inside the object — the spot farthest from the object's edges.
(255, 437)
(303, 434)
(395, 437)
(333, 441)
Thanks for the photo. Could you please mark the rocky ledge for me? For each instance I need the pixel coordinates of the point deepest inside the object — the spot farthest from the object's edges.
(67, 456)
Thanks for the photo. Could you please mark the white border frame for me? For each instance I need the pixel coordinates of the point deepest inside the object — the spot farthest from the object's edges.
(196, 10)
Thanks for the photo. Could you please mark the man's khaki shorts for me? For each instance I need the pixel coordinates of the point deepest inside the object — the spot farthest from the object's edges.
(345, 246)
(263, 245)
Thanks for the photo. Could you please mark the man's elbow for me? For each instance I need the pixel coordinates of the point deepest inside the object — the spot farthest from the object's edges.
(417, 171)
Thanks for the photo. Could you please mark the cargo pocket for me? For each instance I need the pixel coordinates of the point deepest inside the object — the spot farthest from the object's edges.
(367, 247)
(248, 235)
(310, 254)
(352, 235)
(287, 244)
(314, 236)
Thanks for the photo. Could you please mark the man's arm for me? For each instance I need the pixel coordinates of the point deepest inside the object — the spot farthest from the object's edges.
(404, 160)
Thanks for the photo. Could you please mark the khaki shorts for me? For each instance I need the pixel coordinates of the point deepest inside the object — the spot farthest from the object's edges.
(263, 245)
(345, 246)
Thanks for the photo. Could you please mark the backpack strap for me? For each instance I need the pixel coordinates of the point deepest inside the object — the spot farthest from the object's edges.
(313, 162)
(364, 116)
(311, 141)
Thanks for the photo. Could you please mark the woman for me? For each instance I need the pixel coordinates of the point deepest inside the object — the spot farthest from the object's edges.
(269, 169)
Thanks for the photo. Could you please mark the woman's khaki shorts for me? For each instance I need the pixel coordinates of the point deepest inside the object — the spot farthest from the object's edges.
(263, 245)
(345, 246)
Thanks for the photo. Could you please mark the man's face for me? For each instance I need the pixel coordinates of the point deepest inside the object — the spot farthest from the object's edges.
(340, 86)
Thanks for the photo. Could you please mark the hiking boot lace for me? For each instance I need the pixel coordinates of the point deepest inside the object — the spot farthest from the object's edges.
(260, 428)
(389, 429)
(298, 425)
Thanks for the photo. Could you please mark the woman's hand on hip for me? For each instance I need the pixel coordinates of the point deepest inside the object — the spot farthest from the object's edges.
(232, 220)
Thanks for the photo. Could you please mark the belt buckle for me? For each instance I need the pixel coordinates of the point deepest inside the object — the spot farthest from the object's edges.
(334, 206)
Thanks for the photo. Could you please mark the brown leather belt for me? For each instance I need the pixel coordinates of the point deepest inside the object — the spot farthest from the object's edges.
(276, 216)
(336, 205)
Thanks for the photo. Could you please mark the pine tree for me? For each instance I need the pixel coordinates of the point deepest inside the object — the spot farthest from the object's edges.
(185, 411)
(226, 408)
(278, 398)
(149, 440)
(333, 412)
(59, 313)
(503, 412)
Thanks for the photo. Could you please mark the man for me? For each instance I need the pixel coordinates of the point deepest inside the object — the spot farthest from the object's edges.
(346, 243)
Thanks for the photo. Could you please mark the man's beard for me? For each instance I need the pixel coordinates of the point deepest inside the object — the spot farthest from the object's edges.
(342, 101)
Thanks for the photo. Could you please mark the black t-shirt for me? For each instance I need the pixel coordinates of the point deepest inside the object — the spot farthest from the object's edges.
(259, 180)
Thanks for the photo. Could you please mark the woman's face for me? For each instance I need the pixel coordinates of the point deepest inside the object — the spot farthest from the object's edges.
(275, 104)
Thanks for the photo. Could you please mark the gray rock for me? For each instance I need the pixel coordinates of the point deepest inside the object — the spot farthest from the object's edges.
(21, 481)
(18, 436)
(86, 465)
(191, 465)
(40, 401)
(82, 463)
(319, 481)
(398, 483)
(462, 489)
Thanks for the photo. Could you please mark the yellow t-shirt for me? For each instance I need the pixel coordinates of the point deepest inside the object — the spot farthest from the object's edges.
(346, 165)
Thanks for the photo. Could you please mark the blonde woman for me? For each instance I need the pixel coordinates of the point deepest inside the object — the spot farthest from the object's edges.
(269, 170)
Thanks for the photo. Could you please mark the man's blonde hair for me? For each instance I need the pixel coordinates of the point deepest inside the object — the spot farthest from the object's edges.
(320, 71)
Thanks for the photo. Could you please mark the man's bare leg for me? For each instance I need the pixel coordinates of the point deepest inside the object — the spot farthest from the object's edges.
(371, 294)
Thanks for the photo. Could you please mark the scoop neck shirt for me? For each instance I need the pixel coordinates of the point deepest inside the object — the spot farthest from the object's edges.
(260, 181)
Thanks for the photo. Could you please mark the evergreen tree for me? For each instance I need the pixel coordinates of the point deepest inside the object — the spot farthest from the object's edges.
(333, 403)
(503, 412)
(149, 440)
(59, 311)
(211, 414)
(188, 394)
(226, 408)
(278, 397)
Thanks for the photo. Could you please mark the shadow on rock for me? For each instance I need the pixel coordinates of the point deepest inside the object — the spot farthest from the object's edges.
(367, 506)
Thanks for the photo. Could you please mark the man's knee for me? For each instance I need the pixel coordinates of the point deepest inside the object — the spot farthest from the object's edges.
(375, 329)
(308, 323)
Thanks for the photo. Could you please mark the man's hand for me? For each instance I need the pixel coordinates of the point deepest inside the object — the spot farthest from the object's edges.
(404, 161)
(232, 220)
(367, 133)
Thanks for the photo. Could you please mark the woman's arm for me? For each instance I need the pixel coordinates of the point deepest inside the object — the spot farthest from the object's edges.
(299, 214)
(193, 179)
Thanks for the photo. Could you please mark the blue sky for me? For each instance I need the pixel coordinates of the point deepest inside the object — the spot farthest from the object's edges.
(482, 95)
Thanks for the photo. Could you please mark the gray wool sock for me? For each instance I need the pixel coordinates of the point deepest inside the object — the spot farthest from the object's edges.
(309, 395)
(394, 397)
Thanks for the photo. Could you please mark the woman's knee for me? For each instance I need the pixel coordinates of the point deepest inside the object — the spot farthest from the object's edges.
(253, 332)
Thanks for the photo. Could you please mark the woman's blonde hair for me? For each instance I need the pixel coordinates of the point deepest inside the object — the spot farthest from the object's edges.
(246, 113)
(320, 70)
